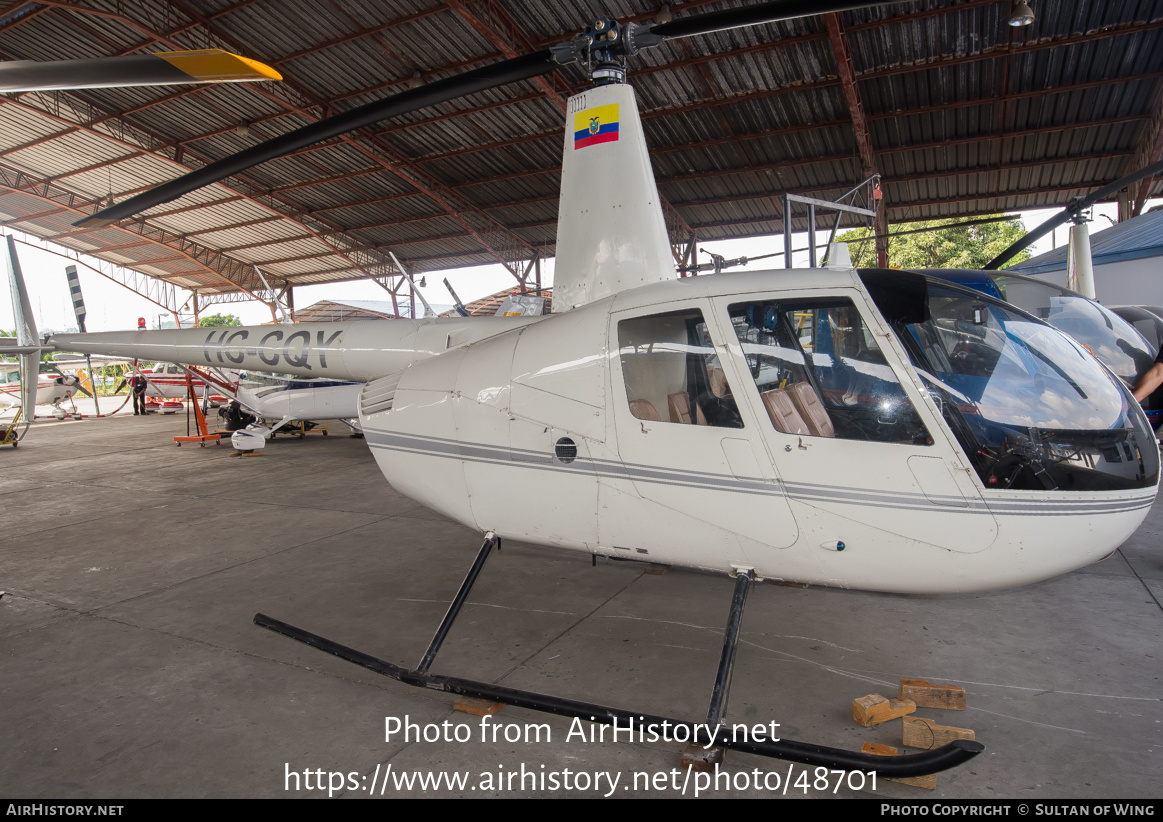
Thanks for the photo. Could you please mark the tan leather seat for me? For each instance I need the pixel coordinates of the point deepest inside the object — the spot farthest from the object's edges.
(807, 402)
(679, 405)
(783, 413)
(644, 410)
(717, 380)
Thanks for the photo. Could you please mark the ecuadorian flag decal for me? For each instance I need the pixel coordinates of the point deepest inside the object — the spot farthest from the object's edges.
(595, 125)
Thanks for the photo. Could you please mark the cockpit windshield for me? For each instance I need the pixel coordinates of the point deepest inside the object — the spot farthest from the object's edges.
(1031, 408)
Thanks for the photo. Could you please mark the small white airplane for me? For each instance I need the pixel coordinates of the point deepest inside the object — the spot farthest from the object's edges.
(168, 381)
(276, 401)
(872, 429)
(53, 387)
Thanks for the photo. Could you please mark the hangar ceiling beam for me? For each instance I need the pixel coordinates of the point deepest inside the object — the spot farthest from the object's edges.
(57, 110)
(231, 272)
(860, 130)
(159, 292)
(1150, 151)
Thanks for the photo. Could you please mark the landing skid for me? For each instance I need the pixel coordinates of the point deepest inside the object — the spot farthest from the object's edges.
(920, 764)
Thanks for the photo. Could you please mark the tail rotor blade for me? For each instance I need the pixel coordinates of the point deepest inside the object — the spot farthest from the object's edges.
(78, 298)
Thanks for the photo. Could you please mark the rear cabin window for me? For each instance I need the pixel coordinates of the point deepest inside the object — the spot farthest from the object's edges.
(672, 372)
(820, 372)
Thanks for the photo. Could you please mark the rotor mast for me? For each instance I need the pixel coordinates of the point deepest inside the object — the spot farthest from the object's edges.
(611, 232)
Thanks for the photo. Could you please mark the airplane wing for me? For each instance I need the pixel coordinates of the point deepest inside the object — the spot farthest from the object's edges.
(98, 361)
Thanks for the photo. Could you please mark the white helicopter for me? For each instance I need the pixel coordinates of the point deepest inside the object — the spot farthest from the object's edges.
(870, 429)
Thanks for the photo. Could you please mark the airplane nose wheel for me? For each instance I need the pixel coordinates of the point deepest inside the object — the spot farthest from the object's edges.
(928, 762)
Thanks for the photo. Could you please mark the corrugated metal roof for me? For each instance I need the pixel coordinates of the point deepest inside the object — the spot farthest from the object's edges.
(965, 116)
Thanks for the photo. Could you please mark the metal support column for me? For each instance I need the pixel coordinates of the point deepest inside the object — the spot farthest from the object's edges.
(787, 231)
(491, 539)
(811, 235)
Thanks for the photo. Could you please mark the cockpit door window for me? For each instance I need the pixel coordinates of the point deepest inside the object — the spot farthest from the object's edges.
(821, 373)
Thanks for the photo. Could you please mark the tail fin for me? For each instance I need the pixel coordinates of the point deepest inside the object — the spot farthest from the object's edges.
(28, 346)
(611, 235)
(21, 308)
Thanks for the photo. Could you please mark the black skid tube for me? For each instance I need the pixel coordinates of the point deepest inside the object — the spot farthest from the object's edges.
(920, 764)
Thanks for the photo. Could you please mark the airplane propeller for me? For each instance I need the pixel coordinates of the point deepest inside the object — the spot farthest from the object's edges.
(603, 47)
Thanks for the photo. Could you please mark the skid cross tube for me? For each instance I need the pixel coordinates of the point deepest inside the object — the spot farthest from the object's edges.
(491, 539)
(730, 645)
(940, 759)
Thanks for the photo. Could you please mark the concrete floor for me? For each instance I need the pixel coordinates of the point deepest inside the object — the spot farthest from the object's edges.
(129, 665)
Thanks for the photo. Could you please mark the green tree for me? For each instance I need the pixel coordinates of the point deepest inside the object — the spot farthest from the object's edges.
(965, 246)
(218, 321)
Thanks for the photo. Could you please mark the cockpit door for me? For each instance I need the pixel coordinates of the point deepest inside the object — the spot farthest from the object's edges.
(688, 457)
(854, 441)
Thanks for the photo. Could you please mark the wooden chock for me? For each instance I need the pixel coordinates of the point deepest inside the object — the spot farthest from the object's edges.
(928, 781)
(874, 709)
(927, 695)
(698, 758)
(476, 707)
(927, 734)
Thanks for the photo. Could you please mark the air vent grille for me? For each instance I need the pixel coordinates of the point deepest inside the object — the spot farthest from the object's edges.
(378, 395)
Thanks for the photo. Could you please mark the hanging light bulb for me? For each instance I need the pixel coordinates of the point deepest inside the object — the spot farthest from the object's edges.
(664, 15)
(1023, 15)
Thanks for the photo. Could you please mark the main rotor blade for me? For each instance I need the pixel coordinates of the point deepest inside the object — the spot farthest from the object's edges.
(161, 69)
(499, 74)
(1065, 216)
(770, 12)
(440, 91)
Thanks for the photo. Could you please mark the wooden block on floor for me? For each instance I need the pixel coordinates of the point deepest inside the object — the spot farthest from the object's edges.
(656, 569)
(873, 709)
(476, 707)
(927, 734)
(701, 759)
(928, 781)
(927, 695)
